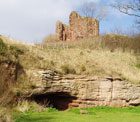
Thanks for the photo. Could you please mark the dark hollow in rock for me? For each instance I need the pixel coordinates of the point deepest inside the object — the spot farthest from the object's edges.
(59, 100)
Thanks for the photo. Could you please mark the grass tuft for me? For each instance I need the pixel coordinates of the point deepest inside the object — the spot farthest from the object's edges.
(67, 69)
(3, 47)
(5, 116)
(51, 110)
(26, 106)
(15, 50)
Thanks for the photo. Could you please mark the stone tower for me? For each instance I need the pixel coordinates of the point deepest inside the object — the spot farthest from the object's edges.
(79, 28)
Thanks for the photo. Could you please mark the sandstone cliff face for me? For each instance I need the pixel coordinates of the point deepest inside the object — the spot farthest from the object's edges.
(87, 91)
(79, 28)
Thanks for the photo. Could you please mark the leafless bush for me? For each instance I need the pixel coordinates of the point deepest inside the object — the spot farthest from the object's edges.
(91, 9)
(124, 43)
(130, 8)
(25, 105)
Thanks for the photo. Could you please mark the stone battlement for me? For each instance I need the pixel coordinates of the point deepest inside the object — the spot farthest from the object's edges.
(79, 28)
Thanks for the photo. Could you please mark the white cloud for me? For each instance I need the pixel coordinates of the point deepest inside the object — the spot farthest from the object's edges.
(31, 20)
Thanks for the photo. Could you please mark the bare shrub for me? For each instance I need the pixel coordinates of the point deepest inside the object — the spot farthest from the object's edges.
(67, 69)
(123, 43)
(25, 105)
(109, 42)
(91, 9)
(130, 8)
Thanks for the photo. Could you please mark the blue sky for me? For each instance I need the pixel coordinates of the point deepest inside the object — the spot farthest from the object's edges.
(32, 20)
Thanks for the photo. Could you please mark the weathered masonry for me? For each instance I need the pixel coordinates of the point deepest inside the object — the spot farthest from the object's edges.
(79, 28)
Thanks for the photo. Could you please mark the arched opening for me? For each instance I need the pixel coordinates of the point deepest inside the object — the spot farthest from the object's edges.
(58, 100)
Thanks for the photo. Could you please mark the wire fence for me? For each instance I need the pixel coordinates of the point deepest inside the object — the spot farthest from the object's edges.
(55, 46)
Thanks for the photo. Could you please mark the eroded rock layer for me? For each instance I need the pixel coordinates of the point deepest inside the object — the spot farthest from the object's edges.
(88, 91)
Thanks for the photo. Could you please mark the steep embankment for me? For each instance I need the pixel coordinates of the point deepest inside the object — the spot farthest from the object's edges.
(10, 71)
(87, 91)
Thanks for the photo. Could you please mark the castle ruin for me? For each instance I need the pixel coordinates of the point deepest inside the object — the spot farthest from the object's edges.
(79, 28)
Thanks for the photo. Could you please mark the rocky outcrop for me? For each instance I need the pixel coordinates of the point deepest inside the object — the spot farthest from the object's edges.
(79, 28)
(87, 91)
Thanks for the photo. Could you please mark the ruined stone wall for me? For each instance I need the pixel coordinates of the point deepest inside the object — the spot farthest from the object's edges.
(88, 91)
(79, 28)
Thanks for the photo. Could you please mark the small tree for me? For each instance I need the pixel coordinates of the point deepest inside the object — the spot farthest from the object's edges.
(91, 9)
(131, 8)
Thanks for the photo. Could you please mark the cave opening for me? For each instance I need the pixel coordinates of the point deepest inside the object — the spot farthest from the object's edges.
(59, 100)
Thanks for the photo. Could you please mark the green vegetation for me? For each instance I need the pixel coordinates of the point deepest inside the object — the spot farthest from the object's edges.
(16, 51)
(96, 114)
(3, 48)
(138, 66)
(83, 68)
(107, 109)
(9, 52)
(66, 69)
(32, 86)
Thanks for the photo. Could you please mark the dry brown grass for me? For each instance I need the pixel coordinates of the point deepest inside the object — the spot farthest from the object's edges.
(123, 43)
(49, 38)
(87, 57)
(11, 73)
(10, 41)
(7, 82)
(110, 42)
(25, 105)
(5, 115)
(95, 62)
